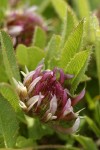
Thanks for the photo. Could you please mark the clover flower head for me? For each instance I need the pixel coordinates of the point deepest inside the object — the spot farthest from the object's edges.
(20, 24)
(45, 93)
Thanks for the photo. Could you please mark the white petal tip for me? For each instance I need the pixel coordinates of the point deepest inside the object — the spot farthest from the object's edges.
(22, 105)
(15, 30)
(26, 70)
(76, 125)
(24, 74)
(15, 82)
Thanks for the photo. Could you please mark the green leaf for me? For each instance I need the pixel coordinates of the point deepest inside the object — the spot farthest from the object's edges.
(72, 45)
(95, 38)
(97, 54)
(92, 31)
(3, 76)
(90, 101)
(3, 4)
(32, 56)
(86, 142)
(2, 15)
(52, 50)
(43, 6)
(77, 66)
(97, 112)
(35, 55)
(60, 7)
(53, 62)
(64, 32)
(24, 142)
(93, 126)
(9, 93)
(39, 38)
(22, 55)
(85, 78)
(1, 141)
(83, 8)
(9, 57)
(71, 21)
(8, 123)
(94, 4)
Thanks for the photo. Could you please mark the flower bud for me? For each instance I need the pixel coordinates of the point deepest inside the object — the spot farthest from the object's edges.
(49, 98)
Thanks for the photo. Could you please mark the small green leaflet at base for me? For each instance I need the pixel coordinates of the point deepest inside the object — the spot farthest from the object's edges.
(8, 123)
(86, 142)
(60, 7)
(77, 66)
(9, 57)
(39, 38)
(72, 45)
